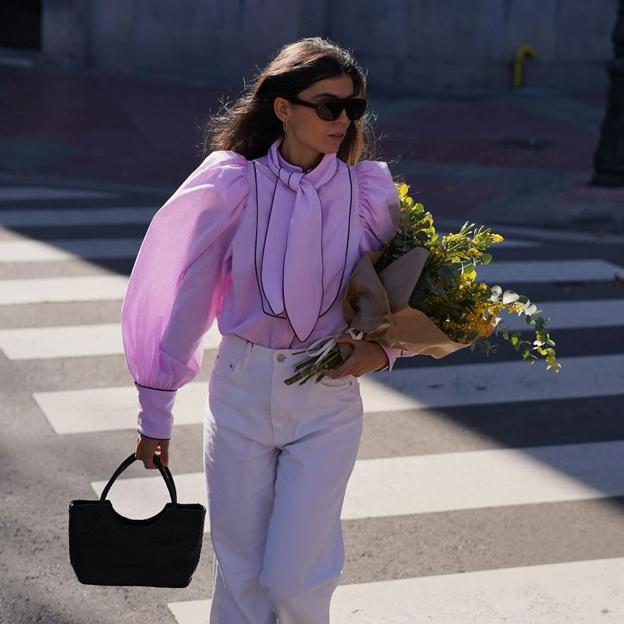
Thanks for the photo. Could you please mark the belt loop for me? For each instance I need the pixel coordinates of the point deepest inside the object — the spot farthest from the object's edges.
(248, 348)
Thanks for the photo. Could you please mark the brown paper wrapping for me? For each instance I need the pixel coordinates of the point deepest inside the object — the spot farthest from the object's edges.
(378, 304)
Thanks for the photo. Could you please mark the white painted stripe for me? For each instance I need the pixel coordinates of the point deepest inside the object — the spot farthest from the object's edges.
(98, 287)
(12, 193)
(73, 341)
(92, 340)
(63, 289)
(75, 216)
(68, 249)
(27, 250)
(586, 314)
(574, 592)
(493, 382)
(491, 478)
(111, 409)
(539, 271)
(397, 486)
(63, 341)
(76, 411)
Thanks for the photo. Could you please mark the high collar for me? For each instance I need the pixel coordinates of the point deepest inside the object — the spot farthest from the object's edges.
(313, 175)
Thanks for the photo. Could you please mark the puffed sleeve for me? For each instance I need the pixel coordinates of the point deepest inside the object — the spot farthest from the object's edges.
(176, 285)
(378, 203)
(379, 215)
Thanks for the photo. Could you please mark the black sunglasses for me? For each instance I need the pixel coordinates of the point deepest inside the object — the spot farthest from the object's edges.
(332, 109)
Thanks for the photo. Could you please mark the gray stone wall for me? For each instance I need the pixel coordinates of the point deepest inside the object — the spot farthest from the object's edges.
(406, 45)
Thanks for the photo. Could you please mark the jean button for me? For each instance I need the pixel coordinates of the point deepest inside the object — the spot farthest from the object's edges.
(280, 357)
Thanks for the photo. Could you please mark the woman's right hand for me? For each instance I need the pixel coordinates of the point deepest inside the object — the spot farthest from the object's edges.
(145, 451)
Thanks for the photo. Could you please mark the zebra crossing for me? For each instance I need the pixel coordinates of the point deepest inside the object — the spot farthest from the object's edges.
(103, 409)
(567, 593)
(30, 343)
(428, 458)
(397, 486)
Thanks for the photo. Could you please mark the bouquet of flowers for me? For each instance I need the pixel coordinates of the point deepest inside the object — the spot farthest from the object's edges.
(420, 293)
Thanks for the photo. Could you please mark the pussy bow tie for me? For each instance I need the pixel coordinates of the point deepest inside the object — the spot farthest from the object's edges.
(292, 265)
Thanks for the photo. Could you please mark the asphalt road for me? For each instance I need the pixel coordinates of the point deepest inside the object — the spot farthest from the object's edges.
(485, 490)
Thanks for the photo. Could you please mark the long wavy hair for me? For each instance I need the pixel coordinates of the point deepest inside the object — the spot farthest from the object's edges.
(249, 126)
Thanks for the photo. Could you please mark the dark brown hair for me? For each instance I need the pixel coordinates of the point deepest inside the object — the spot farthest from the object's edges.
(249, 126)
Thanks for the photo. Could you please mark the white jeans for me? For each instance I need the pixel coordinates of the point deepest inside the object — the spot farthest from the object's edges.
(277, 461)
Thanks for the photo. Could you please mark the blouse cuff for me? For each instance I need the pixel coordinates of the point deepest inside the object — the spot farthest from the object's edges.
(388, 356)
(155, 418)
(391, 353)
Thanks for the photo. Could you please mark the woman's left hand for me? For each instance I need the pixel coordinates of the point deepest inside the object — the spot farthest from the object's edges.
(366, 356)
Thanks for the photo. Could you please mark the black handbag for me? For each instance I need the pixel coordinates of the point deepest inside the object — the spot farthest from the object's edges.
(106, 548)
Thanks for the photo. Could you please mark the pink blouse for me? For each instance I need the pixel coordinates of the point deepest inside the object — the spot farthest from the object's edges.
(262, 246)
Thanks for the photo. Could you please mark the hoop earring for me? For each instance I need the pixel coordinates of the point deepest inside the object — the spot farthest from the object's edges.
(285, 126)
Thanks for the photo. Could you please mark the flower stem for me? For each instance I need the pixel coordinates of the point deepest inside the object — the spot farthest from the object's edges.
(311, 366)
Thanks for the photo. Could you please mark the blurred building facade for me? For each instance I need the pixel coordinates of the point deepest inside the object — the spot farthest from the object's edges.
(406, 45)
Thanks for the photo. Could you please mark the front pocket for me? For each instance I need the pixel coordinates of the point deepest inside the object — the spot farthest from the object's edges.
(226, 363)
(340, 382)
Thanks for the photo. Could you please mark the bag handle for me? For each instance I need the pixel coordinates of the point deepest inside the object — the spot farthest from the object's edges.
(164, 471)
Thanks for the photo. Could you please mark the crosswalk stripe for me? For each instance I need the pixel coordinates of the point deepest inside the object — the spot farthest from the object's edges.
(73, 341)
(52, 250)
(102, 216)
(398, 486)
(72, 249)
(68, 249)
(590, 313)
(574, 592)
(495, 382)
(105, 409)
(63, 289)
(112, 408)
(104, 287)
(93, 340)
(75, 216)
(539, 271)
(12, 193)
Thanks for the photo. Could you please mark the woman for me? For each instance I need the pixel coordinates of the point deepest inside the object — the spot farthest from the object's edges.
(263, 236)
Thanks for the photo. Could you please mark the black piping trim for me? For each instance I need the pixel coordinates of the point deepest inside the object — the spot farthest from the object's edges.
(344, 266)
(150, 437)
(258, 280)
(273, 313)
(150, 388)
(322, 282)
